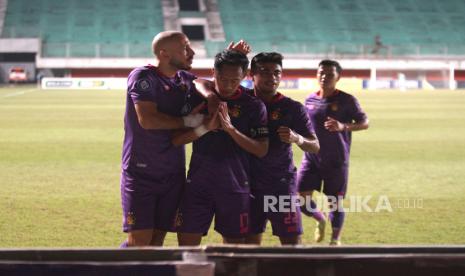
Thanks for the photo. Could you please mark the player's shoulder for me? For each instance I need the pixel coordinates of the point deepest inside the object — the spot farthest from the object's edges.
(344, 94)
(141, 72)
(313, 96)
(288, 101)
(249, 96)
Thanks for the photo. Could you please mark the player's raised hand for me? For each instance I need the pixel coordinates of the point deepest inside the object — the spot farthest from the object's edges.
(240, 46)
(333, 125)
(287, 135)
(225, 120)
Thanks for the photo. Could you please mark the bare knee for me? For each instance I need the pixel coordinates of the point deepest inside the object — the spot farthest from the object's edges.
(293, 240)
(189, 239)
(228, 240)
(253, 239)
(158, 237)
(140, 237)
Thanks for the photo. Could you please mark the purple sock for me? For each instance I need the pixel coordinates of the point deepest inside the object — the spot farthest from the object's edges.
(124, 244)
(314, 212)
(337, 221)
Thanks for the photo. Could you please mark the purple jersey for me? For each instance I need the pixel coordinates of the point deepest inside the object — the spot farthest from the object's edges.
(334, 146)
(150, 151)
(278, 163)
(217, 156)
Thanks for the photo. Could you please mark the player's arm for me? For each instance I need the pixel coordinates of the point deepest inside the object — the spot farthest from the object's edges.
(257, 147)
(186, 136)
(206, 89)
(308, 144)
(359, 119)
(150, 118)
(334, 125)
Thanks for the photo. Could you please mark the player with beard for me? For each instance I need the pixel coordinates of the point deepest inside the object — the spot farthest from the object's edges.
(159, 100)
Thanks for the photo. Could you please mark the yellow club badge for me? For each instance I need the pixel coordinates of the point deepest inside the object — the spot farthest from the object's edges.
(235, 111)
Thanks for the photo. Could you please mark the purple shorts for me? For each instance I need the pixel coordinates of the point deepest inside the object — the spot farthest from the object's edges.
(202, 201)
(334, 179)
(150, 203)
(285, 222)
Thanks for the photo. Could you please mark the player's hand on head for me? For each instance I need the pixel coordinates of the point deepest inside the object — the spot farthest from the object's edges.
(333, 125)
(240, 46)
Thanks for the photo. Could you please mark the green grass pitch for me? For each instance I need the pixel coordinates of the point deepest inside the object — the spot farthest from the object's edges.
(60, 158)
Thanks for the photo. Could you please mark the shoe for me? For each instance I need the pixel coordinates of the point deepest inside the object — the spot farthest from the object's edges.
(335, 242)
(320, 230)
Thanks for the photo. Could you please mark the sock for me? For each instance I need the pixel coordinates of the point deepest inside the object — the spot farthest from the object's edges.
(337, 221)
(314, 212)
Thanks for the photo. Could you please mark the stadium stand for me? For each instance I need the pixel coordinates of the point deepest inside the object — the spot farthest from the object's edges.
(101, 28)
(86, 28)
(408, 27)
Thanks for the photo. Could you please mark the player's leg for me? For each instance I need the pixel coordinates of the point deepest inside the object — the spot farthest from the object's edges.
(287, 224)
(189, 239)
(139, 237)
(257, 219)
(195, 213)
(166, 207)
(254, 239)
(232, 216)
(158, 237)
(335, 187)
(138, 205)
(290, 240)
(308, 182)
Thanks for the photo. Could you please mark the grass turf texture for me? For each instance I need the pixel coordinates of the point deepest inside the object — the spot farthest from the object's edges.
(60, 157)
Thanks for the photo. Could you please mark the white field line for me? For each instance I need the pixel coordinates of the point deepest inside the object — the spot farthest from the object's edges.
(19, 93)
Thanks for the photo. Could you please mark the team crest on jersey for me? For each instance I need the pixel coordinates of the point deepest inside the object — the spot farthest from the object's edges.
(235, 111)
(275, 114)
(130, 218)
(334, 107)
(143, 85)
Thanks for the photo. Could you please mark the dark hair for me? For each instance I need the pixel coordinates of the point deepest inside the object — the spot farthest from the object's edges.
(328, 62)
(264, 57)
(231, 57)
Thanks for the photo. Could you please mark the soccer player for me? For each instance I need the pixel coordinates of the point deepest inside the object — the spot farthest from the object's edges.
(218, 180)
(275, 174)
(153, 170)
(334, 115)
